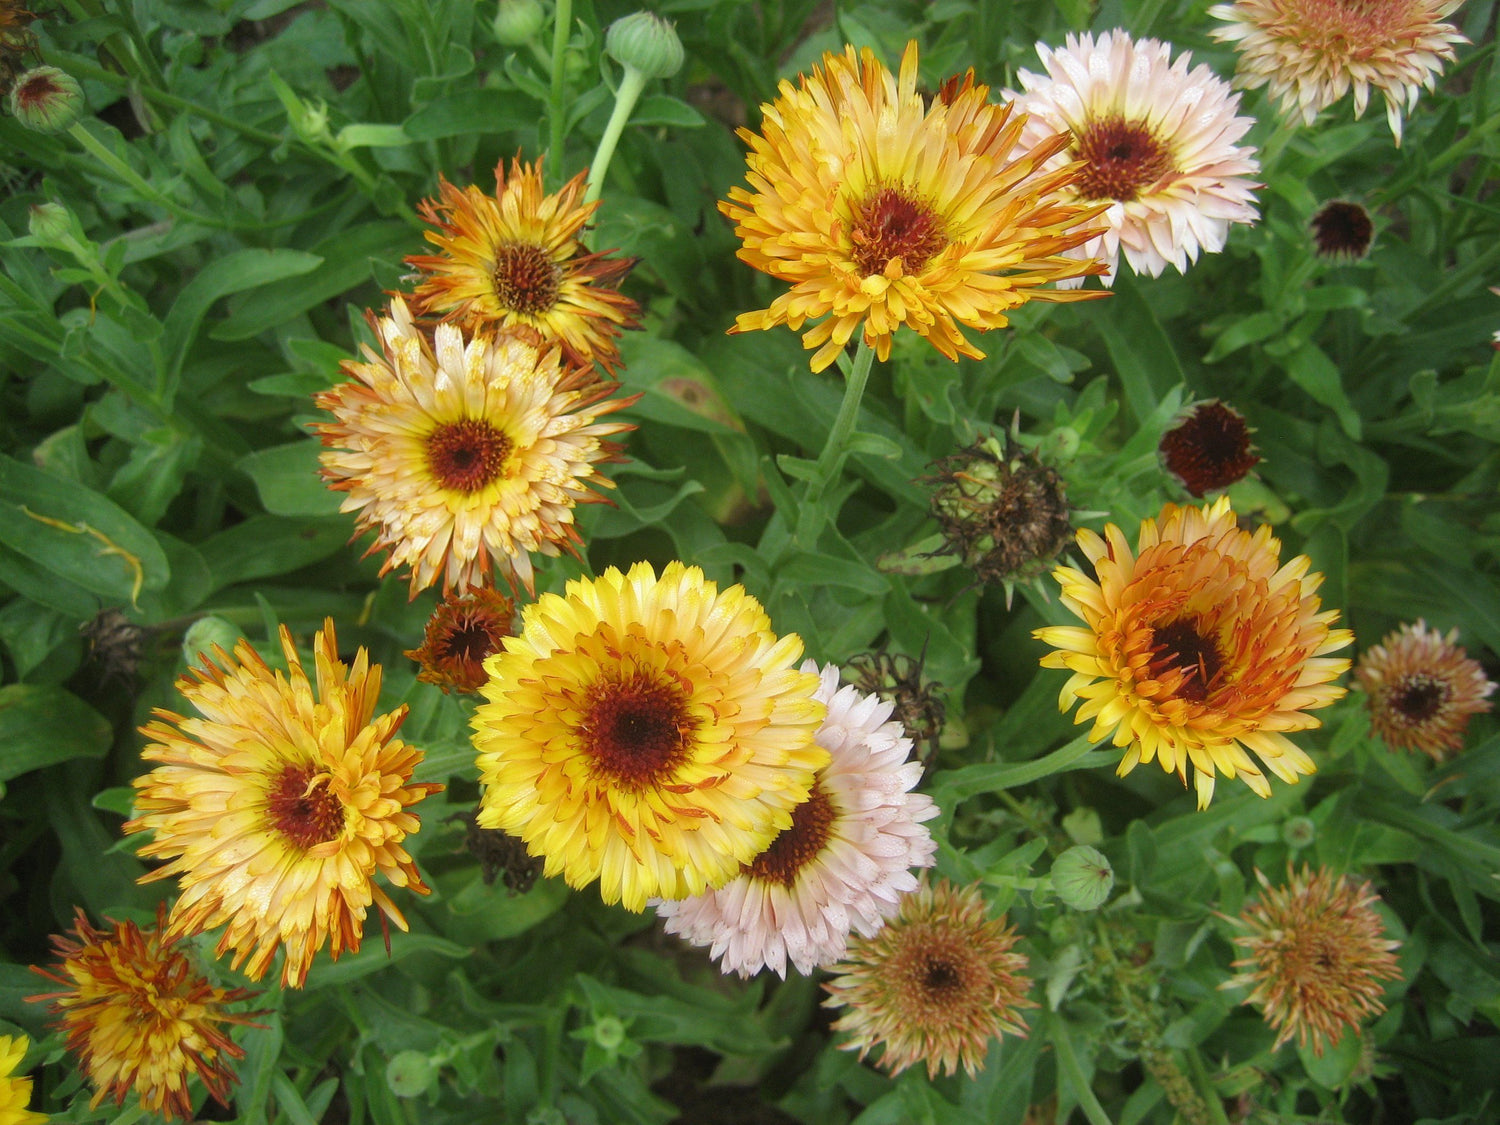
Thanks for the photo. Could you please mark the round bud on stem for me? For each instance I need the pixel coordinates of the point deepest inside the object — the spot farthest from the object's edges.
(518, 22)
(645, 42)
(48, 222)
(1082, 878)
(46, 100)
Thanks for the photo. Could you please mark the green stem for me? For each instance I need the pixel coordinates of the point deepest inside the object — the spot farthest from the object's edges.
(1072, 1070)
(81, 68)
(557, 106)
(631, 85)
(831, 461)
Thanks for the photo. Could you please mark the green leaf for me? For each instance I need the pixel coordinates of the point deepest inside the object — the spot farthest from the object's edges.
(664, 109)
(264, 546)
(1336, 1065)
(473, 111)
(1249, 330)
(371, 136)
(286, 476)
(41, 726)
(1312, 370)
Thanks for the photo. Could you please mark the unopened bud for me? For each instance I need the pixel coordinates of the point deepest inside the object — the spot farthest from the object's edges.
(609, 1032)
(1298, 832)
(46, 100)
(202, 635)
(48, 222)
(518, 21)
(409, 1073)
(1082, 878)
(645, 42)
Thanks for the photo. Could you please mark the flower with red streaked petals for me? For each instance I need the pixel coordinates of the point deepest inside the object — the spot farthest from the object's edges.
(461, 633)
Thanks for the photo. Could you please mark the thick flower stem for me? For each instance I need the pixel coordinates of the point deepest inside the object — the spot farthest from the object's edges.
(557, 107)
(812, 517)
(631, 85)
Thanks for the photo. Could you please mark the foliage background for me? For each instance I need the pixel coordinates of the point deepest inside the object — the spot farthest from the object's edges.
(243, 188)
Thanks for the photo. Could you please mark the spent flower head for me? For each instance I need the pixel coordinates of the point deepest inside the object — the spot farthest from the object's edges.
(1421, 688)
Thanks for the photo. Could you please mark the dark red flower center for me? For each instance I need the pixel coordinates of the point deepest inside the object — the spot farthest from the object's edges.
(302, 809)
(797, 846)
(526, 278)
(1418, 698)
(1210, 449)
(1123, 157)
(471, 640)
(891, 224)
(941, 978)
(468, 455)
(1181, 646)
(636, 730)
(1342, 230)
(37, 90)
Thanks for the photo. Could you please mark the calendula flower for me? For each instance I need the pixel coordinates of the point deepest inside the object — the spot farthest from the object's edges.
(1314, 956)
(843, 864)
(1421, 687)
(516, 259)
(460, 634)
(1158, 146)
(882, 211)
(141, 1018)
(1311, 51)
(934, 986)
(1208, 448)
(650, 733)
(280, 804)
(15, 1089)
(466, 452)
(1342, 230)
(1201, 647)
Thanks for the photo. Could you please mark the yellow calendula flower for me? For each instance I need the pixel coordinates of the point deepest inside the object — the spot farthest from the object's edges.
(515, 258)
(1199, 646)
(280, 804)
(884, 211)
(141, 1018)
(649, 732)
(466, 453)
(15, 1089)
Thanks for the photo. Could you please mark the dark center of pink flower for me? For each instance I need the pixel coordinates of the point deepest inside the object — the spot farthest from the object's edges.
(1181, 646)
(468, 455)
(941, 978)
(636, 730)
(891, 224)
(302, 809)
(526, 278)
(1122, 158)
(795, 847)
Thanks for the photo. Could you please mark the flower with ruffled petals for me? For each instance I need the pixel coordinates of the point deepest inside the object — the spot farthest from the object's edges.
(1158, 145)
(934, 986)
(1315, 956)
(1198, 648)
(1421, 688)
(15, 1089)
(279, 806)
(650, 733)
(140, 1017)
(463, 452)
(516, 259)
(461, 633)
(882, 211)
(843, 864)
(1312, 51)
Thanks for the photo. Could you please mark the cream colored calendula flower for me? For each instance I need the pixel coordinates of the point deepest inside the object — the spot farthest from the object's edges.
(1421, 688)
(279, 805)
(649, 732)
(1198, 648)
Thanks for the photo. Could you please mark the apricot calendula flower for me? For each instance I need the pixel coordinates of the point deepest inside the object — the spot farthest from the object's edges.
(934, 986)
(15, 1089)
(465, 452)
(882, 211)
(1311, 51)
(1198, 648)
(279, 806)
(1421, 687)
(843, 864)
(1158, 145)
(140, 1017)
(651, 733)
(516, 259)
(460, 634)
(1314, 956)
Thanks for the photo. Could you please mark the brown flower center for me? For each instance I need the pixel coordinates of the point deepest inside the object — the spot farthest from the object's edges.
(1123, 157)
(891, 224)
(1416, 699)
(468, 455)
(1342, 230)
(526, 278)
(302, 809)
(797, 846)
(471, 641)
(941, 978)
(1210, 449)
(636, 730)
(1180, 646)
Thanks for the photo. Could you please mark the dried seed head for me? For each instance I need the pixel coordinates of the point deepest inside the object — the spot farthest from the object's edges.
(115, 644)
(897, 678)
(500, 854)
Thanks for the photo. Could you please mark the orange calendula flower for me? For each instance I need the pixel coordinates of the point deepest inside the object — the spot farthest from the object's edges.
(460, 634)
(1421, 688)
(1314, 956)
(15, 1089)
(1311, 52)
(1197, 648)
(651, 733)
(280, 805)
(934, 986)
(467, 452)
(882, 211)
(515, 259)
(140, 1017)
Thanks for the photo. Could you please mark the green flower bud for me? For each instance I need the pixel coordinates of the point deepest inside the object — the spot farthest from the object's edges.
(409, 1073)
(203, 634)
(1298, 832)
(645, 42)
(609, 1032)
(1082, 878)
(46, 100)
(518, 21)
(48, 222)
